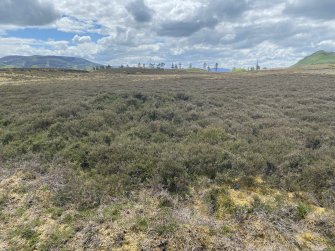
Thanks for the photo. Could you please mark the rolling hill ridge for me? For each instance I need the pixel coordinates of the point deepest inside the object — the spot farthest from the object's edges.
(317, 58)
(46, 62)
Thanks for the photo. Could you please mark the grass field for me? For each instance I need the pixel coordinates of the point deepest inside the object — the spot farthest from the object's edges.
(167, 161)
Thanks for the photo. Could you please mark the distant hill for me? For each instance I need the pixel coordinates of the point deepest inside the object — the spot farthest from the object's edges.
(317, 58)
(220, 70)
(211, 70)
(46, 62)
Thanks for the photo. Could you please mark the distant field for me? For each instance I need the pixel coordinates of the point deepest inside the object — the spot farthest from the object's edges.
(167, 161)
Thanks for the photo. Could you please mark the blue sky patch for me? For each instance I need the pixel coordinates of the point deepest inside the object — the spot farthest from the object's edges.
(48, 34)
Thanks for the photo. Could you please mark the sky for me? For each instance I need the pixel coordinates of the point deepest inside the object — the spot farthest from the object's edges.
(233, 33)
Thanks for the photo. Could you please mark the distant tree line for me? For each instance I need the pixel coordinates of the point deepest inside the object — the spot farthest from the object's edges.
(162, 65)
(252, 68)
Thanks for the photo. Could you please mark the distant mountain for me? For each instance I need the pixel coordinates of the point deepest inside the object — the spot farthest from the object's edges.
(220, 70)
(317, 58)
(46, 62)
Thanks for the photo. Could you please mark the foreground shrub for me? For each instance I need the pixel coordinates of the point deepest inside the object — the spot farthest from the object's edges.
(173, 176)
(302, 211)
(73, 188)
(220, 202)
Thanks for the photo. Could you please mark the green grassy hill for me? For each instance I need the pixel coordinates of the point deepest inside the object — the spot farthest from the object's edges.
(320, 57)
(46, 62)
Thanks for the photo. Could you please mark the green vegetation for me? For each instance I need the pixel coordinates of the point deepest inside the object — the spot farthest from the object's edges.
(115, 138)
(318, 58)
(104, 157)
(57, 238)
(238, 69)
(141, 225)
(303, 210)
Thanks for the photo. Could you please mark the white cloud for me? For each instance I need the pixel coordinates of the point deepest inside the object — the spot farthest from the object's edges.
(68, 24)
(233, 33)
(81, 39)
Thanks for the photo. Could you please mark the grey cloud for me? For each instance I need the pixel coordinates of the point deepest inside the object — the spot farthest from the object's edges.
(27, 12)
(140, 11)
(185, 28)
(250, 36)
(316, 9)
(212, 13)
(227, 9)
(266, 3)
(283, 33)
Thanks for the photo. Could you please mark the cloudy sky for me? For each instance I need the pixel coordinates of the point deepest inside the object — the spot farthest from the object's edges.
(230, 32)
